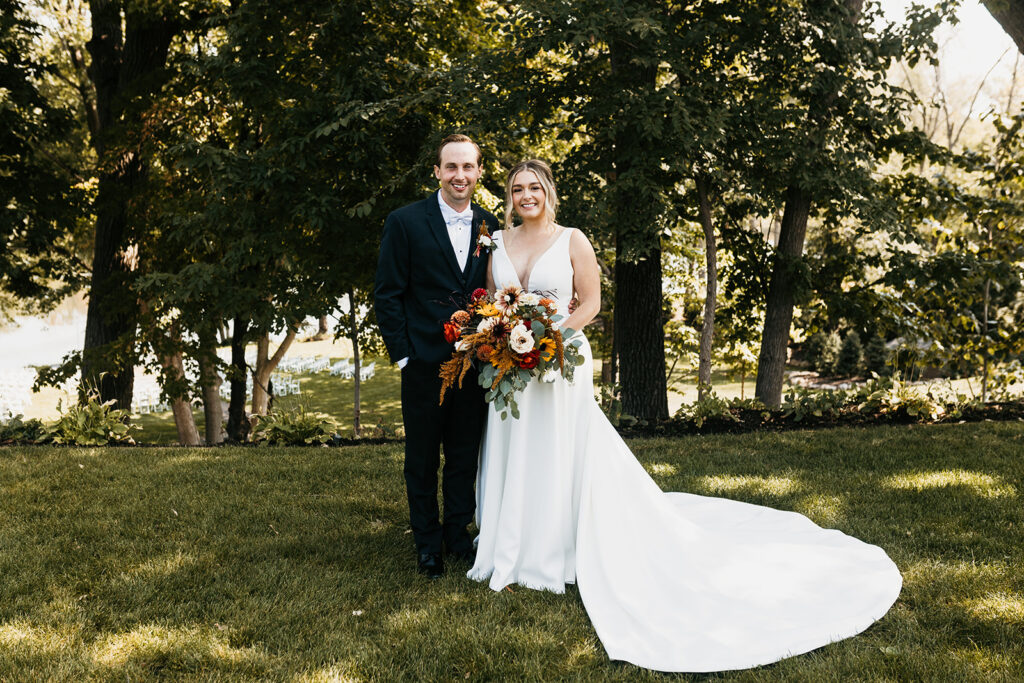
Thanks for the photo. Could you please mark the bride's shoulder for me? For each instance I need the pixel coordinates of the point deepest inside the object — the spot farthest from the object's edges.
(577, 236)
(579, 244)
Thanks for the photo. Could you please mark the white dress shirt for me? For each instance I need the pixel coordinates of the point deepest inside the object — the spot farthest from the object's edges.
(460, 232)
(460, 229)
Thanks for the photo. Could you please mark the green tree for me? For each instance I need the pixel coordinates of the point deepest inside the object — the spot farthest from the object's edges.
(843, 118)
(40, 195)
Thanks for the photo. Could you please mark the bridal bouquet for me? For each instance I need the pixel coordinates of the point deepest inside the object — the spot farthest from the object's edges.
(511, 337)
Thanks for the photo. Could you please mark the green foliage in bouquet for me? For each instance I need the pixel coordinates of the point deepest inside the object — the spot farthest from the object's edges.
(511, 337)
(297, 426)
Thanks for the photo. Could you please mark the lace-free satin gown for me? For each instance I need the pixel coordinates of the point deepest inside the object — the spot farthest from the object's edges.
(671, 581)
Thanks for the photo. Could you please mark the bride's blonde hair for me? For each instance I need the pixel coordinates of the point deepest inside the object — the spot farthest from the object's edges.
(547, 181)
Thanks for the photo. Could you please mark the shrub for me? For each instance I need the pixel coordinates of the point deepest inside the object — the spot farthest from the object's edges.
(823, 351)
(297, 426)
(710, 407)
(1007, 381)
(19, 430)
(890, 395)
(851, 355)
(90, 423)
(610, 400)
(876, 356)
(801, 402)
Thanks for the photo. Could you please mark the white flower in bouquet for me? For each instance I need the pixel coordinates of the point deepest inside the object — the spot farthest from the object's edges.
(529, 299)
(520, 339)
(486, 324)
(461, 345)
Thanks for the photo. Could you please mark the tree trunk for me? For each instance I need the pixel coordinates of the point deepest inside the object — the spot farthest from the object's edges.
(184, 420)
(639, 320)
(238, 425)
(1010, 15)
(771, 362)
(707, 332)
(354, 336)
(213, 407)
(123, 70)
(321, 329)
(176, 387)
(265, 367)
(639, 325)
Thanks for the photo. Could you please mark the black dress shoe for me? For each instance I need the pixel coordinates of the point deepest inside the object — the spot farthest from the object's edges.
(467, 556)
(430, 565)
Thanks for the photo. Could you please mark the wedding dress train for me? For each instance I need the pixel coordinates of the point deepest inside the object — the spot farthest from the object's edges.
(671, 581)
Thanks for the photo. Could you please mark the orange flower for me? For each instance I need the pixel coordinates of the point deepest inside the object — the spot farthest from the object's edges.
(484, 351)
(460, 317)
(451, 332)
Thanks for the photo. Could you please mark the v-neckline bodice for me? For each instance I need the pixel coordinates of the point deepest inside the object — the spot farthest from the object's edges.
(536, 262)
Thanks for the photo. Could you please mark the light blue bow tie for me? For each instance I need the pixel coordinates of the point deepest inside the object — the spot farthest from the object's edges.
(460, 219)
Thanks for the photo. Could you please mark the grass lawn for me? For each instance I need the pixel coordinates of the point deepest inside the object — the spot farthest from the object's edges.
(296, 564)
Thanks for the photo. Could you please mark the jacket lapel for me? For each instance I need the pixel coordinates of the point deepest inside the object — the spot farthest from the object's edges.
(471, 262)
(440, 232)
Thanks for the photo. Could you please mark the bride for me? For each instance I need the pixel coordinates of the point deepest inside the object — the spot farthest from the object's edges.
(671, 581)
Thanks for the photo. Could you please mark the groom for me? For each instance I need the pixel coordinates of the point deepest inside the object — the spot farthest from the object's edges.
(426, 270)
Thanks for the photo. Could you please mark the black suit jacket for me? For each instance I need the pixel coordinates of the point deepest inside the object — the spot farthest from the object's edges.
(419, 283)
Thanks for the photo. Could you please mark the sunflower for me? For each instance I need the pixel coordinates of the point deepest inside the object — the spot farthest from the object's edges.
(546, 348)
(506, 300)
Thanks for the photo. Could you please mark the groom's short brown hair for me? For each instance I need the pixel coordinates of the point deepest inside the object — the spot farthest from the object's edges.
(459, 137)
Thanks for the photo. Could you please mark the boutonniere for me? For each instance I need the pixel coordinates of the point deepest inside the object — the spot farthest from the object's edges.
(484, 240)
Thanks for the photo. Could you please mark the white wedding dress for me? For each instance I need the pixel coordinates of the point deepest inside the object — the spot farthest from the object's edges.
(671, 581)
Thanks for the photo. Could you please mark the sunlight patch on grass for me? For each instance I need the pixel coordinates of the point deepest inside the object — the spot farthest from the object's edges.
(661, 469)
(826, 511)
(409, 619)
(160, 566)
(183, 646)
(773, 486)
(583, 652)
(337, 673)
(21, 635)
(981, 484)
(936, 574)
(998, 606)
(985, 661)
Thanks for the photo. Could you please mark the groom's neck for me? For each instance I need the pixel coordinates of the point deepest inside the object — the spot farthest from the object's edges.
(457, 207)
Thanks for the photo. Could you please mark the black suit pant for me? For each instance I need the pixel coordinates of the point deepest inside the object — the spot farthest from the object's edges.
(456, 426)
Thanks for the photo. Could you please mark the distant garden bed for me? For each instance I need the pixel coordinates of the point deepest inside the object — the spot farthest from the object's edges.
(880, 401)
